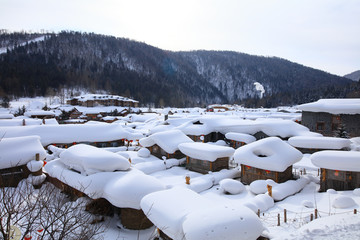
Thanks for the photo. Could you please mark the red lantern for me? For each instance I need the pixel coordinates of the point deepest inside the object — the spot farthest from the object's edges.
(27, 237)
(45, 162)
(336, 173)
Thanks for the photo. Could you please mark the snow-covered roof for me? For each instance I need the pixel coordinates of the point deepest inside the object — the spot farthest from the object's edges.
(39, 113)
(167, 140)
(183, 214)
(6, 116)
(205, 151)
(69, 133)
(319, 142)
(19, 151)
(337, 160)
(334, 106)
(123, 189)
(27, 121)
(240, 137)
(89, 160)
(87, 97)
(269, 153)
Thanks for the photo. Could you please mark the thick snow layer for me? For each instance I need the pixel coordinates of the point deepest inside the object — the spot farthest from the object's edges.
(130, 189)
(288, 188)
(6, 116)
(337, 160)
(205, 151)
(334, 106)
(319, 142)
(167, 140)
(113, 186)
(34, 166)
(89, 160)
(144, 152)
(240, 137)
(260, 202)
(69, 133)
(183, 214)
(222, 222)
(156, 166)
(36, 180)
(19, 151)
(260, 186)
(343, 202)
(269, 153)
(232, 186)
(340, 226)
(39, 113)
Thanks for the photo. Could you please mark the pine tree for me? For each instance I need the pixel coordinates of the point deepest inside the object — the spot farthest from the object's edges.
(341, 131)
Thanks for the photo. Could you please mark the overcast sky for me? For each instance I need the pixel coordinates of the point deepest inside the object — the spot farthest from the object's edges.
(324, 34)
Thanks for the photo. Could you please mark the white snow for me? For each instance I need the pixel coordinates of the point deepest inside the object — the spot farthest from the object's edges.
(240, 137)
(89, 160)
(205, 151)
(232, 186)
(144, 152)
(259, 87)
(319, 142)
(269, 153)
(19, 151)
(183, 214)
(337, 160)
(343, 202)
(34, 165)
(39, 113)
(260, 186)
(167, 140)
(333, 106)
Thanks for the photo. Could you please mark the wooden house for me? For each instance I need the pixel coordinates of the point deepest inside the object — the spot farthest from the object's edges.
(310, 144)
(326, 116)
(165, 144)
(202, 132)
(16, 166)
(269, 158)
(93, 100)
(40, 114)
(205, 157)
(340, 170)
(239, 139)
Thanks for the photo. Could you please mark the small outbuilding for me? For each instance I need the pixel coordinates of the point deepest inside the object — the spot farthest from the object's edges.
(239, 139)
(268, 158)
(310, 144)
(165, 144)
(340, 170)
(205, 157)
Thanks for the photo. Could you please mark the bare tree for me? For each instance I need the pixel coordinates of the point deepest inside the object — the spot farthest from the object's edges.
(44, 213)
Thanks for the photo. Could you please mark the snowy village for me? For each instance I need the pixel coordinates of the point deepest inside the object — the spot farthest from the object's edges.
(221, 172)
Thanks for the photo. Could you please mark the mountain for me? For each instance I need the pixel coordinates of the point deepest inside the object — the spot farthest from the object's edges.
(44, 64)
(355, 76)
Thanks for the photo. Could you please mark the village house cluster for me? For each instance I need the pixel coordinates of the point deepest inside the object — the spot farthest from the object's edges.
(120, 161)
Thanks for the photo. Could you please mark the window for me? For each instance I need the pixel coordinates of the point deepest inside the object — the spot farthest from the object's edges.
(320, 126)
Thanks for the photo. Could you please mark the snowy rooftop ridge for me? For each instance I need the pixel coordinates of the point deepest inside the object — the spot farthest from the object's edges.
(333, 106)
(319, 142)
(337, 160)
(205, 151)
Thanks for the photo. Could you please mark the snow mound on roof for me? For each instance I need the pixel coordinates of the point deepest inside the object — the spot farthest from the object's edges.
(232, 186)
(319, 142)
(334, 106)
(222, 222)
(167, 140)
(260, 186)
(89, 160)
(27, 148)
(144, 153)
(130, 189)
(269, 153)
(205, 151)
(337, 160)
(240, 137)
(343, 202)
(183, 214)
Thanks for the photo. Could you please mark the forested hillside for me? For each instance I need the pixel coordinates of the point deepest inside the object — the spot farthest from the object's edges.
(43, 64)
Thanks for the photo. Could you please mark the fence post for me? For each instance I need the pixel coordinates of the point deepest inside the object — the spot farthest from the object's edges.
(355, 211)
(278, 219)
(269, 188)
(316, 213)
(187, 179)
(285, 217)
(311, 217)
(37, 157)
(258, 212)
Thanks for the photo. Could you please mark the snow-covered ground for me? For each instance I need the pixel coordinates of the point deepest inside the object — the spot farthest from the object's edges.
(212, 193)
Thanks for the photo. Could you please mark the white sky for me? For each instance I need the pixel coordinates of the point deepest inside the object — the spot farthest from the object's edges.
(323, 34)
